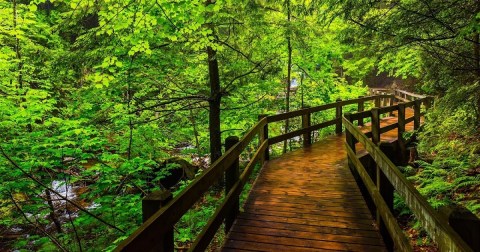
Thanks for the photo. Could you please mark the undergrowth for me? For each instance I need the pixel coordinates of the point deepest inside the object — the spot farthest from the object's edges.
(447, 173)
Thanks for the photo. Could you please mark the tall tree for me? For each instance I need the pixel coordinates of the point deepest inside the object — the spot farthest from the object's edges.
(440, 35)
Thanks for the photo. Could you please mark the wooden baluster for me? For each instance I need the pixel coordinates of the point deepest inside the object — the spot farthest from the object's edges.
(150, 205)
(306, 123)
(401, 130)
(392, 97)
(338, 116)
(360, 109)
(232, 174)
(264, 136)
(375, 126)
(416, 116)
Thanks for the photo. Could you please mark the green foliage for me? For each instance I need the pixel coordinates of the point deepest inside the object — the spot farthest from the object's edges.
(98, 93)
(443, 182)
(452, 131)
(192, 222)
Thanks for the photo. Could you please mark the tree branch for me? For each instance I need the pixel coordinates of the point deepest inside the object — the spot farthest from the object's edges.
(247, 105)
(55, 241)
(55, 192)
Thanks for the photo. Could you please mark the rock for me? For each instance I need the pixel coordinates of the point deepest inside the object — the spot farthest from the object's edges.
(176, 169)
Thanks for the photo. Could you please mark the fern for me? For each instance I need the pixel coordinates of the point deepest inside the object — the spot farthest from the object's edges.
(467, 182)
(473, 206)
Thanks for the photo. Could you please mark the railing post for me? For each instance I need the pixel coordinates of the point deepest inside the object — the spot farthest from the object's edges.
(386, 189)
(306, 123)
(377, 102)
(232, 175)
(263, 137)
(150, 205)
(401, 130)
(416, 116)
(467, 225)
(338, 116)
(350, 142)
(360, 109)
(375, 126)
(391, 103)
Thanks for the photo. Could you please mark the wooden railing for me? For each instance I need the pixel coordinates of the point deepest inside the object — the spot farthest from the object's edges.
(156, 233)
(382, 177)
(161, 212)
(400, 95)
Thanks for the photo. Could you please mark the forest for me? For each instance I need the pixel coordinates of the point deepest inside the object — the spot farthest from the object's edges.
(105, 101)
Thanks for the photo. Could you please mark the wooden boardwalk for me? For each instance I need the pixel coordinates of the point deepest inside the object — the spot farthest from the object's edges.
(307, 200)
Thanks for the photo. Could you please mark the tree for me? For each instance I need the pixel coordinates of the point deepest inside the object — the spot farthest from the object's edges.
(96, 94)
(439, 38)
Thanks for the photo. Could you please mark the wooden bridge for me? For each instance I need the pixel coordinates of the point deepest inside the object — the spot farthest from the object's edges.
(335, 194)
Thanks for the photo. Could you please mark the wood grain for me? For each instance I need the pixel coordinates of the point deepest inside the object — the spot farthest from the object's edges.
(306, 200)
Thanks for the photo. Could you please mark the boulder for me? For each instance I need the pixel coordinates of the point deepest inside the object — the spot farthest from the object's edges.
(174, 170)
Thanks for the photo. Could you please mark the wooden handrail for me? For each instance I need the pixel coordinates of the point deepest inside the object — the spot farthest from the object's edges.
(438, 228)
(207, 234)
(306, 130)
(300, 112)
(395, 92)
(166, 217)
(158, 228)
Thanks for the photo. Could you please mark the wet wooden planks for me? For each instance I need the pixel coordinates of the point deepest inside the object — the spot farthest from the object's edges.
(307, 200)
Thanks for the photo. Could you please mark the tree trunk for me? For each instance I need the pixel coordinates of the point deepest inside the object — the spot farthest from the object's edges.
(214, 100)
(289, 72)
(476, 49)
(214, 105)
(17, 47)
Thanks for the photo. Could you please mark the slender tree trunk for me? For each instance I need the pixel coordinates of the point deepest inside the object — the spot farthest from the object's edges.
(195, 130)
(301, 86)
(130, 122)
(289, 72)
(214, 105)
(476, 49)
(214, 101)
(17, 47)
(128, 97)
